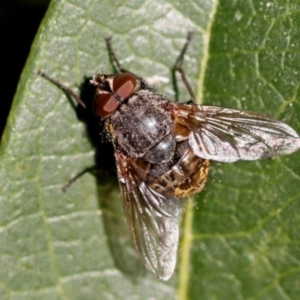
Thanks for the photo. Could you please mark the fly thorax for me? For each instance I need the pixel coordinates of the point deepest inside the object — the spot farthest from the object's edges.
(142, 128)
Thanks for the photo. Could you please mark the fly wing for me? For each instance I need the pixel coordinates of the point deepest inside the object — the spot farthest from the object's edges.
(227, 135)
(153, 219)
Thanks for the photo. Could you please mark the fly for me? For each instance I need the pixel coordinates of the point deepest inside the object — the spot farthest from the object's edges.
(163, 150)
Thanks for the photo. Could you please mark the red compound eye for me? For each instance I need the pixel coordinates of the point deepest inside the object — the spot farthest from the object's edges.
(104, 105)
(124, 85)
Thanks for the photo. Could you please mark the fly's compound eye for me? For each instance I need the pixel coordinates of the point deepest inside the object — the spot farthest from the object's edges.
(124, 85)
(104, 105)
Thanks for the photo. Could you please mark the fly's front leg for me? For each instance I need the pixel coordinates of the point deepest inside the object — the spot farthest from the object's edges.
(63, 87)
(178, 68)
(113, 58)
(116, 64)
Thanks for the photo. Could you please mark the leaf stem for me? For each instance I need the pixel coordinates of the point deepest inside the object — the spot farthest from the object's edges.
(186, 244)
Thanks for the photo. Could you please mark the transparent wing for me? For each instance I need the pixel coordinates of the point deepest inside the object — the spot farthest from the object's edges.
(152, 218)
(228, 135)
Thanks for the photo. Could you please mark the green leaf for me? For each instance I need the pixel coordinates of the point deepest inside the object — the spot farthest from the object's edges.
(240, 238)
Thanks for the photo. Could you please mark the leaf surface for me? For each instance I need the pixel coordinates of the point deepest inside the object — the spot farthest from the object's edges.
(240, 238)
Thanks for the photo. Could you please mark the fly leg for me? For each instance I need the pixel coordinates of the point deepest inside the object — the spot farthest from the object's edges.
(92, 170)
(178, 68)
(115, 62)
(66, 89)
(113, 58)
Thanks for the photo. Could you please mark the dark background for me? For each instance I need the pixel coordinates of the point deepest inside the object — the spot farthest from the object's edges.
(19, 22)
